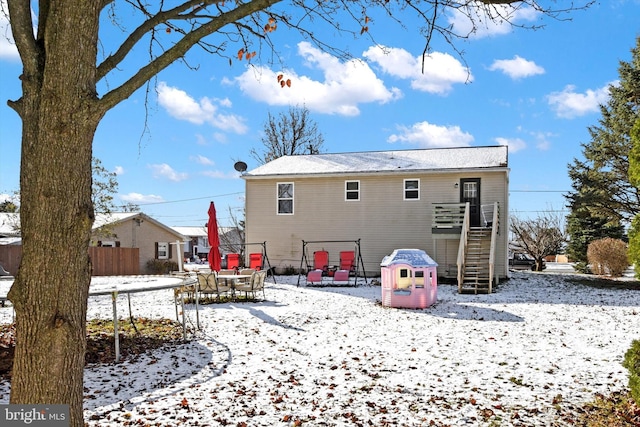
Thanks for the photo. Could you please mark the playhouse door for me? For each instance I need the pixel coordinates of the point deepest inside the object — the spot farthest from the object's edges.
(470, 192)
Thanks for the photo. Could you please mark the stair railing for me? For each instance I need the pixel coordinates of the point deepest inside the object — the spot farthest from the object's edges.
(492, 250)
(462, 247)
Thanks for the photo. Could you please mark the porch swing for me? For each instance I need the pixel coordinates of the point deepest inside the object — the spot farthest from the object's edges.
(320, 272)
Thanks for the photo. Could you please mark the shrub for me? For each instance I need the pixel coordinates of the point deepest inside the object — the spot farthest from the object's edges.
(156, 266)
(581, 267)
(632, 363)
(608, 256)
(289, 270)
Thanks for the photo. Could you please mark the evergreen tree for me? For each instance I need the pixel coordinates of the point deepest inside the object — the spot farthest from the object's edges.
(603, 199)
(583, 227)
(601, 181)
(8, 206)
(634, 177)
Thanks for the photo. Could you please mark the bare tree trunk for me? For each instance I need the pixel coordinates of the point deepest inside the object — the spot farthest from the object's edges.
(51, 287)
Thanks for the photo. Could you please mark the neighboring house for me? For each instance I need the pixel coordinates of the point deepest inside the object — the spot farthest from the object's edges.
(154, 240)
(442, 201)
(197, 242)
(9, 229)
(231, 240)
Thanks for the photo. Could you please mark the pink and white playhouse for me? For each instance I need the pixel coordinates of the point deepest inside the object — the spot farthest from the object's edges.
(409, 279)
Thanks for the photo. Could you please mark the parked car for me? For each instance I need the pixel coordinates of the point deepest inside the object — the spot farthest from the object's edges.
(522, 261)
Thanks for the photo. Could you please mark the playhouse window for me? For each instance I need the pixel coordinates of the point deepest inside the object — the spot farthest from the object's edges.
(404, 278)
(285, 198)
(419, 278)
(352, 190)
(411, 189)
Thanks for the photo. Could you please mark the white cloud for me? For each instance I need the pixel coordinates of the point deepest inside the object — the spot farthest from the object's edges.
(165, 171)
(138, 198)
(514, 144)
(441, 70)
(569, 104)
(183, 107)
(517, 67)
(225, 102)
(200, 159)
(343, 87)
(220, 137)
(542, 140)
(427, 135)
(118, 170)
(478, 20)
(543, 145)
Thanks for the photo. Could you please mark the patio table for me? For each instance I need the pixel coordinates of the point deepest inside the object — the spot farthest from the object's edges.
(233, 279)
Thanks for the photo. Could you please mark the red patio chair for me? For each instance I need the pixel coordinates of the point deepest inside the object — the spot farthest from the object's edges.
(341, 276)
(255, 261)
(347, 261)
(233, 261)
(321, 261)
(314, 277)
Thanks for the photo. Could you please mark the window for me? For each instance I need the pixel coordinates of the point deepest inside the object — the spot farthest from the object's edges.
(352, 190)
(162, 251)
(470, 190)
(285, 198)
(108, 243)
(411, 189)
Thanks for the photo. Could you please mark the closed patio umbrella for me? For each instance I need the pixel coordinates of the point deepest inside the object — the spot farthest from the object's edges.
(215, 259)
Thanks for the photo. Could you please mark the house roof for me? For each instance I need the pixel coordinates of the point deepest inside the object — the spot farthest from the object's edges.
(192, 231)
(10, 222)
(118, 217)
(438, 159)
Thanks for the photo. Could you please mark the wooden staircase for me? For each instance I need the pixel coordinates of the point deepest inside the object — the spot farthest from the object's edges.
(476, 276)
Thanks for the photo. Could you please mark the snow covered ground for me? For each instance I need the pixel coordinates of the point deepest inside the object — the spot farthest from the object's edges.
(525, 355)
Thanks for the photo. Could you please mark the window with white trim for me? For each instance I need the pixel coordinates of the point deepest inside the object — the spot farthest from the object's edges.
(162, 250)
(411, 189)
(285, 198)
(352, 190)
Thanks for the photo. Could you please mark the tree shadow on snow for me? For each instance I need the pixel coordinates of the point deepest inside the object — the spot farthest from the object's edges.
(164, 372)
(460, 311)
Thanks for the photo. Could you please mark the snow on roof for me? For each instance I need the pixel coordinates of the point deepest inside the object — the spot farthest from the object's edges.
(191, 231)
(10, 222)
(385, 161)
(412, 257)
(113, 217)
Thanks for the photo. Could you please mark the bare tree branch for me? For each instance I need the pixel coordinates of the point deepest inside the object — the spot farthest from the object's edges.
(540, 236)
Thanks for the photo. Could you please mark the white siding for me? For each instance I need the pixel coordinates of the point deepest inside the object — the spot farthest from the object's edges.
(382, 220)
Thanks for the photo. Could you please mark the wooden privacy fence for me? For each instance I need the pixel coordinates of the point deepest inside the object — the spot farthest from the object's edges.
(114, 261)
(10, 256)
(105, 261)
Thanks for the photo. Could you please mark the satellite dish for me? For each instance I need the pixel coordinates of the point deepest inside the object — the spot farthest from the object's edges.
(240, 166)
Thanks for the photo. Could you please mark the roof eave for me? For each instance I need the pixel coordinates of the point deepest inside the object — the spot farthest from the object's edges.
(377, 173)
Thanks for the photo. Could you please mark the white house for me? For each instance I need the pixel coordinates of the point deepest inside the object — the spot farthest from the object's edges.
(450, 202)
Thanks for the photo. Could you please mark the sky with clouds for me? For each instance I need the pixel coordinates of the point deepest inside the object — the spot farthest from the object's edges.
(173, 147)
